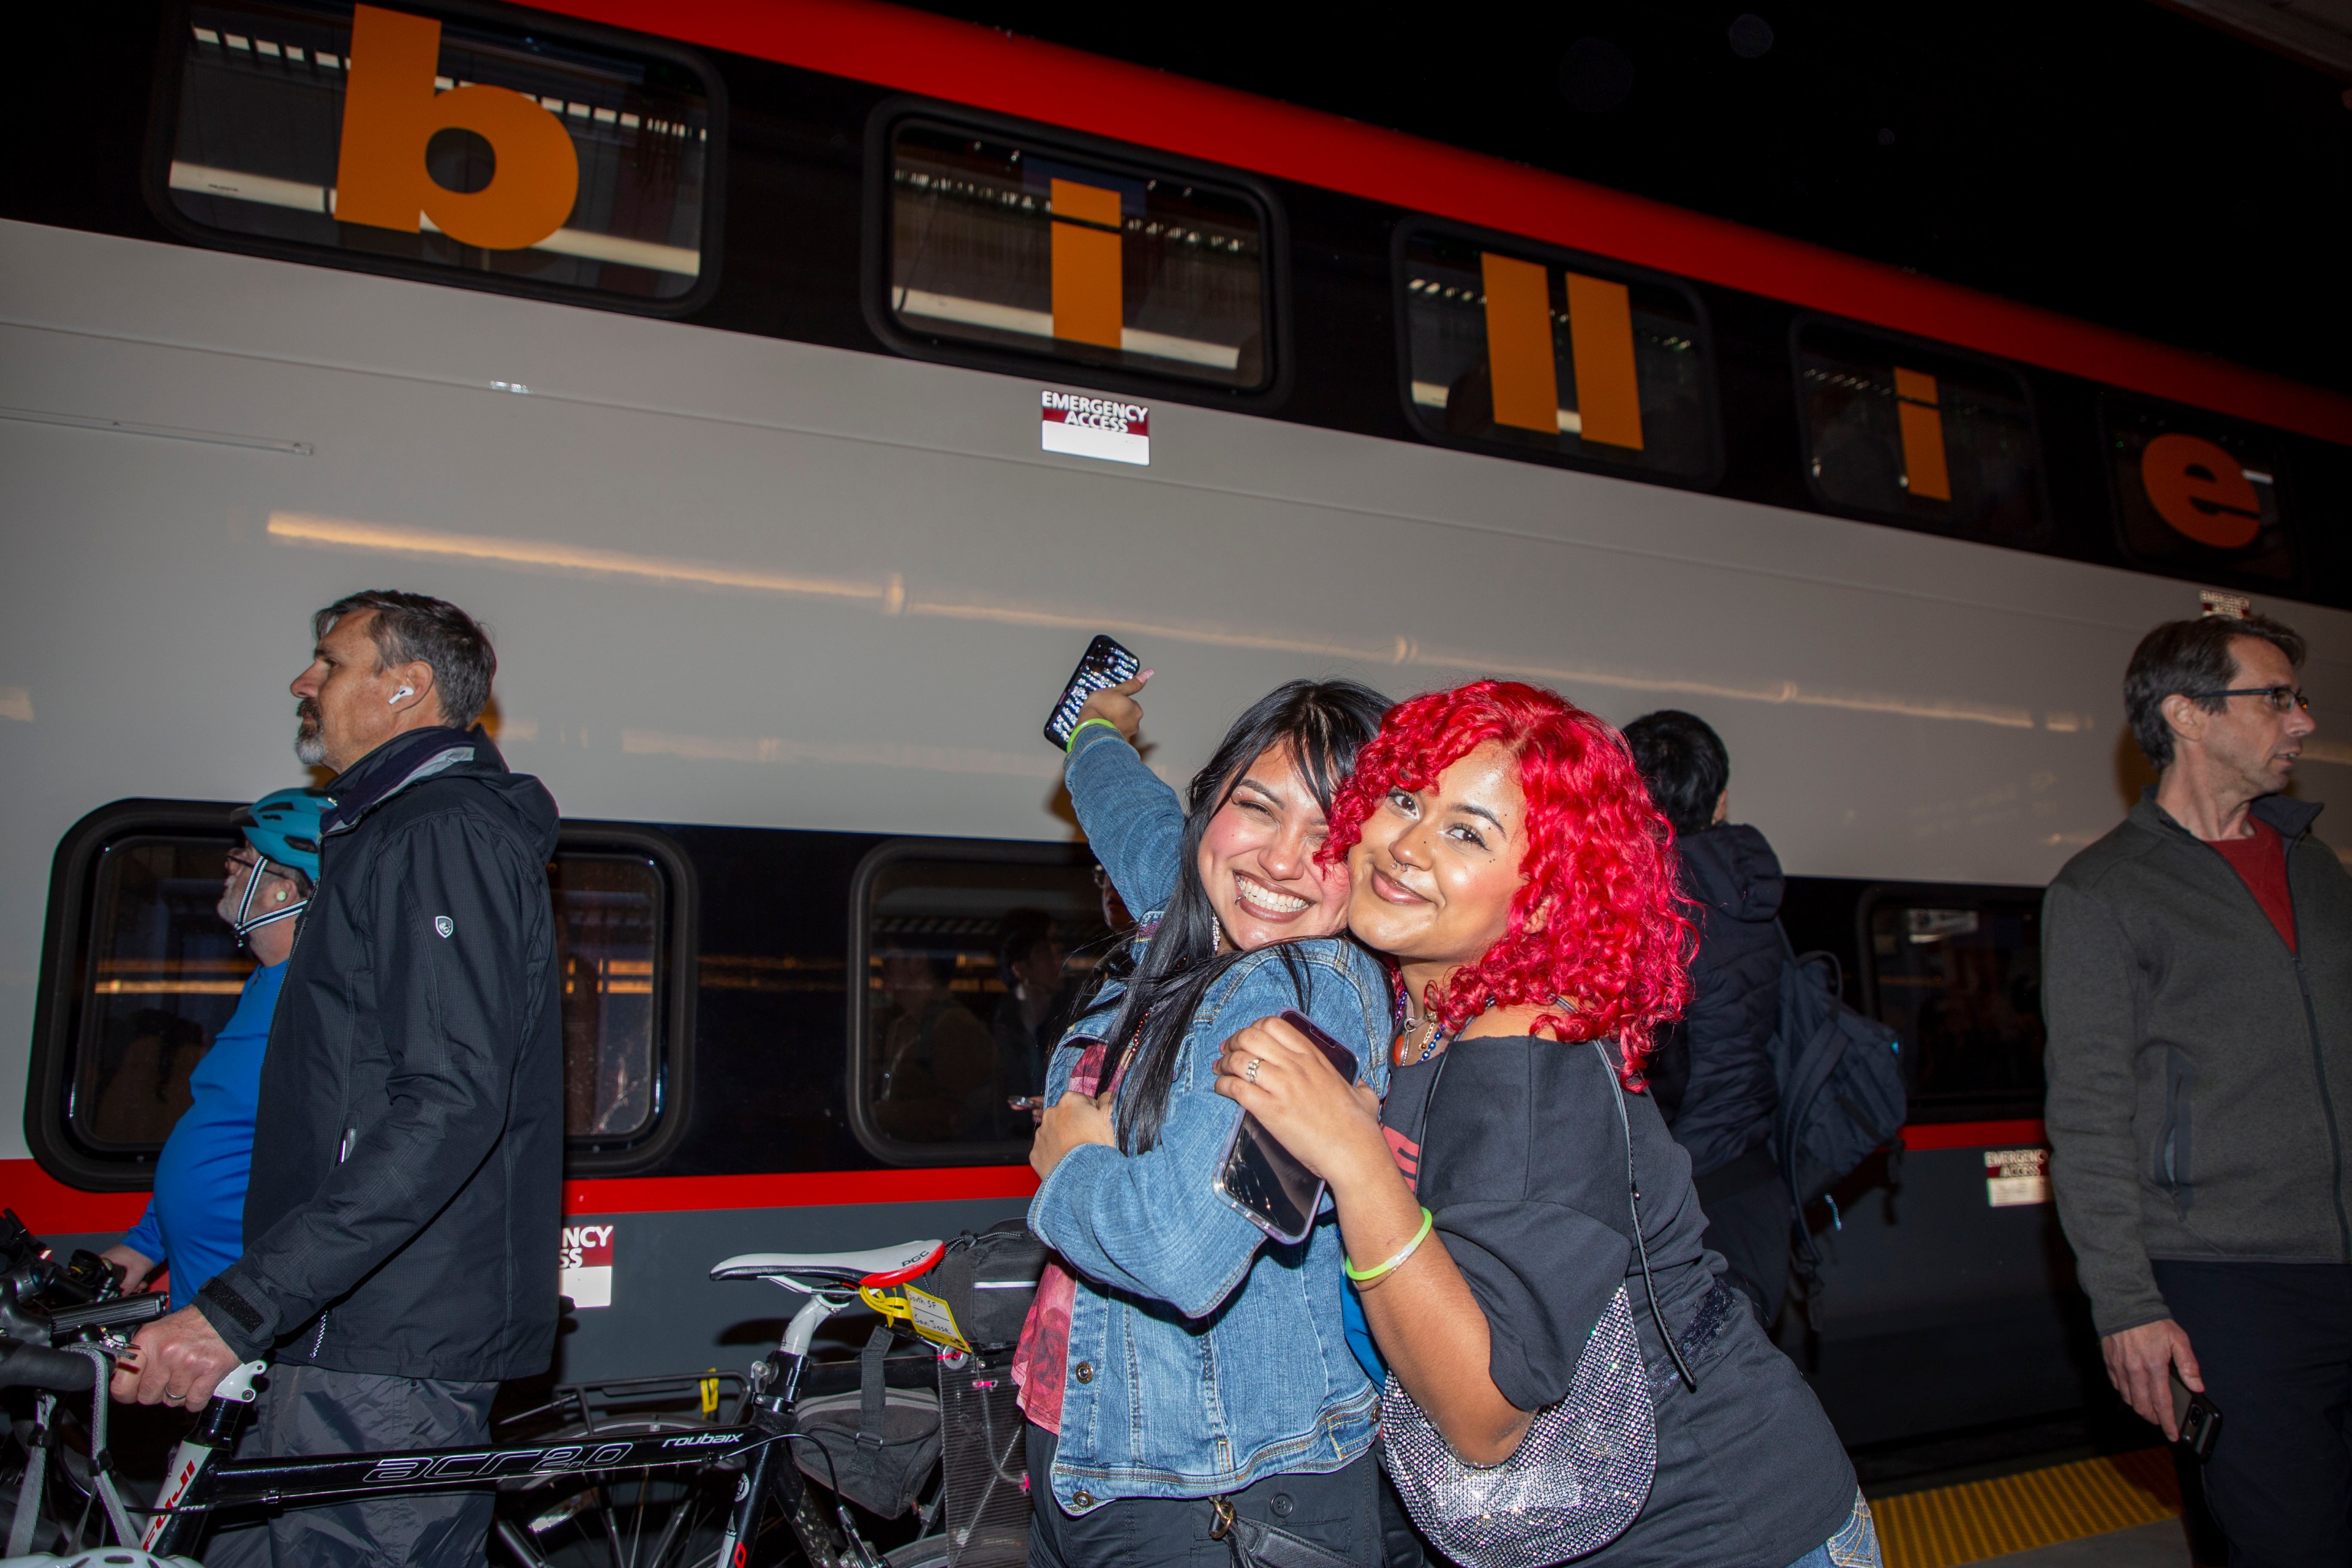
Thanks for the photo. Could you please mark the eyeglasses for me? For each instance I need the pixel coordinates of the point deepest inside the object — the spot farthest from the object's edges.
(2278, 699)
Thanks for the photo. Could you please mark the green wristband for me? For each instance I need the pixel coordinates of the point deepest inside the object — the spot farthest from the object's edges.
(1367, 1275)
(1088, 724)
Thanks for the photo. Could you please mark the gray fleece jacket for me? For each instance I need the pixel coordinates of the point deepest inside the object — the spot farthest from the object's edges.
(2201, 1070)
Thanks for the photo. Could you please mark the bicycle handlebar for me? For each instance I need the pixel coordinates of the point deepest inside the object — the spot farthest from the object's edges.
(37, 1366)
(118, 1314)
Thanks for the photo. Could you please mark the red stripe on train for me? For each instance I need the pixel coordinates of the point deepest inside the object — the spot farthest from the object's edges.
(964, 63)
(48, 1207)
(1975, 1135)
(797, 1189)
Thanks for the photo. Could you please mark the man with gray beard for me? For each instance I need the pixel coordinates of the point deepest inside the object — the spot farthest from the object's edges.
(411, 1109)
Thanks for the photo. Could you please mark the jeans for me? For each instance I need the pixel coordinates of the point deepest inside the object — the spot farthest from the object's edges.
(2275, 1343)
(310, 1410)
(1855, 1546)
(1338, 1511)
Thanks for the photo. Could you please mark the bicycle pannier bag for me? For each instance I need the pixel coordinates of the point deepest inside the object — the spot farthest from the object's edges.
(876, 1446)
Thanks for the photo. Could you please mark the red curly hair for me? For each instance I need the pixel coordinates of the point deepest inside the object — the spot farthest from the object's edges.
(1599, 858)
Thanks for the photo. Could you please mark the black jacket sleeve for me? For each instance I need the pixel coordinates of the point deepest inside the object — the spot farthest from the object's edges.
(447, 897)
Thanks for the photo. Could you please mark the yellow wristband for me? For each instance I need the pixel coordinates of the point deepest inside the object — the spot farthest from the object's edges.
(1083, 726)
(1369, 1275)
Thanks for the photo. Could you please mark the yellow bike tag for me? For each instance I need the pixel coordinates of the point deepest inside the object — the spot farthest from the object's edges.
(934, 1320)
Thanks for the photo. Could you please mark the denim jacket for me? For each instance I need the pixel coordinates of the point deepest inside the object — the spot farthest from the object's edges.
(1204, 1356)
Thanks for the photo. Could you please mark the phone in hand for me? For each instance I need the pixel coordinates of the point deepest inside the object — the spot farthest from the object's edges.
(1106, 665)
(1265, 1180)
(2198, 1418)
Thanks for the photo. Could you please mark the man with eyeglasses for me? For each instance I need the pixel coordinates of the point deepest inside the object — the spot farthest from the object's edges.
(2198, 985)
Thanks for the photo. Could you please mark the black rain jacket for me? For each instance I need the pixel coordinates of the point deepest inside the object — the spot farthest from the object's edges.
(1712, 1070)
(403, 1211)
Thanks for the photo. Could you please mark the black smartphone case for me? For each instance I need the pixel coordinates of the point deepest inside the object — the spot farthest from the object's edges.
(2198, 1418)
(1265, 1180)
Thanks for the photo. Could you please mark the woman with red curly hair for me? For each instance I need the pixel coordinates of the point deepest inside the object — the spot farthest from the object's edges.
(1503, 854)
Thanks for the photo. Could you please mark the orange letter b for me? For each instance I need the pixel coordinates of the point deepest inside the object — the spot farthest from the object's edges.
(391, 111)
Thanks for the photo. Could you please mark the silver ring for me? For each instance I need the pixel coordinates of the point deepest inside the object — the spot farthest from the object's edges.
(1250, 1072)
(176, 1398)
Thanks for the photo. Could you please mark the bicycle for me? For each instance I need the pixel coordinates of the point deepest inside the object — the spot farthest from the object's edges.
(581, 1472)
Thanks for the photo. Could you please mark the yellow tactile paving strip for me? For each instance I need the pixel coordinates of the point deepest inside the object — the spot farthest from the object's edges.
(1946, 1526)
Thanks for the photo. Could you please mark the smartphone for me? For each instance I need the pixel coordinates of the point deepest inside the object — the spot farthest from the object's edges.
(2198, 1417)
(1106, 665)
(1265, 1180)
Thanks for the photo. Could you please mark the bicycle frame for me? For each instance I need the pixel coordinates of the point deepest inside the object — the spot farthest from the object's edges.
(203, 1479)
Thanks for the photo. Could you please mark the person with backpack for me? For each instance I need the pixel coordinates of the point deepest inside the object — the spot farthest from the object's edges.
(2196, 980)
(1712, 1072)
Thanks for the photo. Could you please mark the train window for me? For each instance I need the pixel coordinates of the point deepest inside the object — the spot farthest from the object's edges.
(998, 242)
(166, 973)
(131, 1006)
(1958, 974)
(2193, 490)
(459, 150)
(1555, 357)
(975, 957)
(1911, 435)
(610, 936)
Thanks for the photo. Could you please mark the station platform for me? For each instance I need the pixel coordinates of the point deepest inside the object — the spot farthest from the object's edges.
(2116, 1510)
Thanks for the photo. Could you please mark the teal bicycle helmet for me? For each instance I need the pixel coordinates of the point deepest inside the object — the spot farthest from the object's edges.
(284, 831)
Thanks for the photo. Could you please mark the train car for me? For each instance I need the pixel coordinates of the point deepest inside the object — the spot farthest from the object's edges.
(795, 390)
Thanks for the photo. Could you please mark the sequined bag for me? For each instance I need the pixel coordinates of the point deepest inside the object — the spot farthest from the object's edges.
(1582, 1472)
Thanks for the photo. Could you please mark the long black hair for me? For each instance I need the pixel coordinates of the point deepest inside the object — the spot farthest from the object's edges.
(1322, 724)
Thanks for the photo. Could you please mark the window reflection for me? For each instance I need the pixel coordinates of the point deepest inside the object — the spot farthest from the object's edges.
(1561, 359)
(1918, 438)
(973, 969)
(609, 925)
(1959, 980)
(258, 146)
(166, 973)
(997, 243)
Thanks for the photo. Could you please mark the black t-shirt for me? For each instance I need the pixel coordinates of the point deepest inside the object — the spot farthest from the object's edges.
(1518, 1151)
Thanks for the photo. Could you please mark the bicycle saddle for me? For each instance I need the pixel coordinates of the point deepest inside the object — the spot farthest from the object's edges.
(876, 1266)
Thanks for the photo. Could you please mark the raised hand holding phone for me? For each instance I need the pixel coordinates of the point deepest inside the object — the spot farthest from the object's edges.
(1117, 705)
(1105, 665)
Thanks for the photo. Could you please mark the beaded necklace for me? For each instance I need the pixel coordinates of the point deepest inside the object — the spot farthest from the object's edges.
(1416, 1043)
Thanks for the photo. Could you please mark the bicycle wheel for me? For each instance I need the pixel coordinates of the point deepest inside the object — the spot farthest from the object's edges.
(644, 1519)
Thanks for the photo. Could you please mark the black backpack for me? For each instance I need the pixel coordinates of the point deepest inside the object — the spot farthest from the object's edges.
(1841, 1079)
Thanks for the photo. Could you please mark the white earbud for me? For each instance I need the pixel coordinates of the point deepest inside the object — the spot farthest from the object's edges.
(404, 691)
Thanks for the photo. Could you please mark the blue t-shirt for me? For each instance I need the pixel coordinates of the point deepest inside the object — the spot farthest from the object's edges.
(194, 1225)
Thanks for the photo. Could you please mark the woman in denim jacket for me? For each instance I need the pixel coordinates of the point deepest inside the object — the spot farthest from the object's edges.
(1186, 1370)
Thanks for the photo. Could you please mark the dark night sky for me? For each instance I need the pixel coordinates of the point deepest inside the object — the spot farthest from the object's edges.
(2106, 158)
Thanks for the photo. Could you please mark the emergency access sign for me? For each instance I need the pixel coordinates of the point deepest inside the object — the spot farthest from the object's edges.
(1102, 428)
